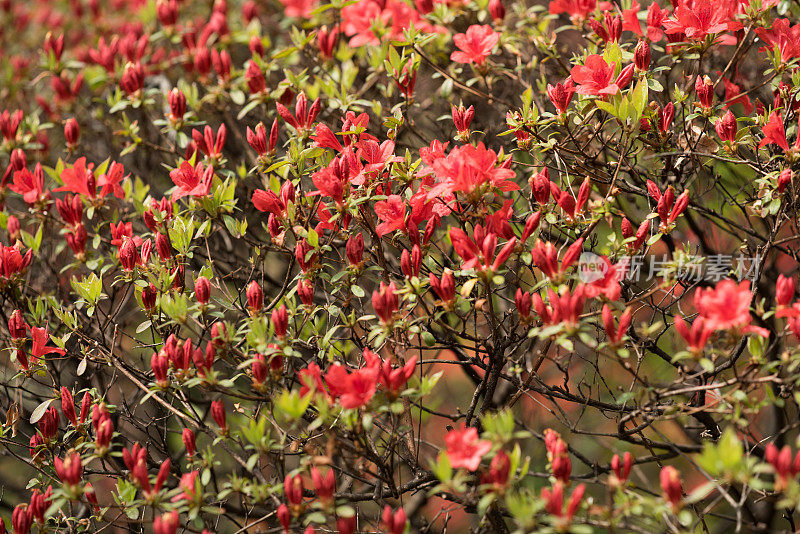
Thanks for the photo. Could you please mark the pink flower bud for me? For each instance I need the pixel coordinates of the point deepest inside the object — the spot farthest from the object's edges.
(641, 56)
(784, 179)
(189, 441)
(255, 297)
(727, 127)
(354, 250)
(127, 254)
(280, 321)
(258, 139)
(149, 295)
(17, 326)
(166, 523)
(784, 290)
(71, 132)
(671, 485)
(385, 302)
(497, 10)
(202, 290)
(177, 104)
(326, 40)
(70, 469)
(218, 414)
(705, 91)
(163, 247)
(284, 517)
(625, 76)
(523, 302)
(68, 406)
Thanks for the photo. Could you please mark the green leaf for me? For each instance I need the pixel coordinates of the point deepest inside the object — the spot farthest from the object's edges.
(639, 99)
(606, 106)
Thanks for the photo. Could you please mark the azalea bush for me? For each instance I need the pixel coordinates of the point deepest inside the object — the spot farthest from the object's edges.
(399, 266)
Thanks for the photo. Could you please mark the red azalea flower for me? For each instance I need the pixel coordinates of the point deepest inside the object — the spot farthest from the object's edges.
(630, 19)
(468, 167)
(392, 212)
(784, 36)
(40, 337)
(465, 449)
(774, 132)
(354, 390)
(191, 181)
(30, 185)
(576, 9)
(475, 45)
(700, 19)
(79, 179)
(726, 306)
(655, 20)
(733, 96)
(596, 77)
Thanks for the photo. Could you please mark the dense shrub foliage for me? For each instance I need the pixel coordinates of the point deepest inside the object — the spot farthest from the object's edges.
(399, 266)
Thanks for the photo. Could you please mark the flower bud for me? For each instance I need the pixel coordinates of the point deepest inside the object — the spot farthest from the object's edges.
(48, 424)
(259, 369)
(523, 301)
(705, 91)
(727, 127)
(86, 403)
(305, 290)
(255, 297)
(395, 522)
(218, 414)
(385, 302)
(127, 254)
(159, 363)
(21, 519)
(68, 406)
(177, 104)
(784, 179)
(189, 441)
(462, 118)
(17, 326)
(410, 263)
(540, 184)
(301, 254)
(258, 139)
(249, 11)
(622, 469)
(202, 290)
(166, 523)
(91, 497)
(218, 333)
(293, 490)
(784, 290)
(354, 250)
(497, 10)
(671, 485)
(167, 12)
(13, 228)
(625, 77)
(424, 6)
(70, 469)
(326, 40)
(149, 295)
(641, 56)
(71, 132)
(163, 247)
(284, 517)
(280, 321)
